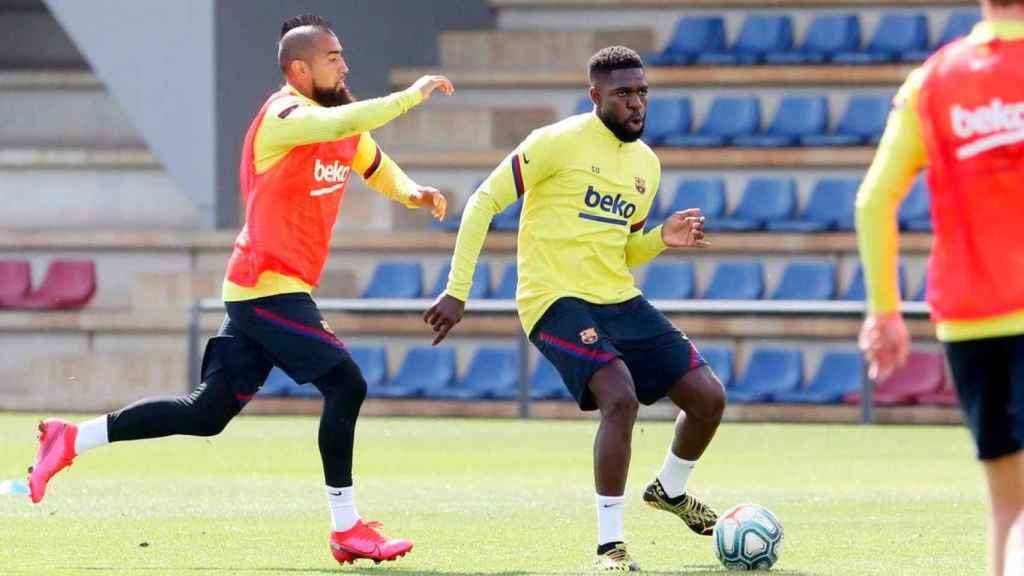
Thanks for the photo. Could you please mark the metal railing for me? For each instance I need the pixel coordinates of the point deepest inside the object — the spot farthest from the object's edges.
(507, 307)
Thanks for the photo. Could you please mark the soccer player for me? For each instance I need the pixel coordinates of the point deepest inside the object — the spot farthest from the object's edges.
(961, 116)
(298, 155)
(589, 184)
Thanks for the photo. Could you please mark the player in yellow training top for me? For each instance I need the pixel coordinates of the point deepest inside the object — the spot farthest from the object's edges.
(589, 185)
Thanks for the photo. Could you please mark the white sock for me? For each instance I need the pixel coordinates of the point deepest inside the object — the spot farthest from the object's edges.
(1014, 564)
(91, 433)
(609, 518)
(674, 474)
(343, 508)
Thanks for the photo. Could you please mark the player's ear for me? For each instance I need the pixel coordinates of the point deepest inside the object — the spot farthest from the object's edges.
(595, 95)
(298, 67)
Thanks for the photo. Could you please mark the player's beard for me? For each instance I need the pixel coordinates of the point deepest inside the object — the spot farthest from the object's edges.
(334, 96)
(620, 128)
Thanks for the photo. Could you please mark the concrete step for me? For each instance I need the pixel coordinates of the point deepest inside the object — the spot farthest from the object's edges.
(30, 37)
(534, 50)
(462, 128)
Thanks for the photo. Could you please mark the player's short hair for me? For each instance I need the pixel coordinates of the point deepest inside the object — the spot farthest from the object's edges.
(1006, 2)
(318, 22)
(612, 58)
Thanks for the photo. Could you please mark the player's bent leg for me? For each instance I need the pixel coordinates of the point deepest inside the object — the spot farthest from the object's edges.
(615, 396)
(1005, 477)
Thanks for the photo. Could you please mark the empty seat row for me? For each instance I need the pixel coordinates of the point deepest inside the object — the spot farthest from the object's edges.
(799, 120)
(831, 37)
(67, 285)
(405, 280)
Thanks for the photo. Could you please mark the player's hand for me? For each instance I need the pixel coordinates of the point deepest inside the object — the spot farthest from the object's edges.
(684, 229)
(427, 84)
(432, 199)
(443, 315)
(885, 343)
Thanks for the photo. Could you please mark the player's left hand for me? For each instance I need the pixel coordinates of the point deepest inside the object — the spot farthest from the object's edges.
(684, 229)
(885, 343)
(432, 199)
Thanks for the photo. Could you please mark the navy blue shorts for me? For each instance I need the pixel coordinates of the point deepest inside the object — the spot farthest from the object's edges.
(989, 378)
(285, 330)
(579, 338)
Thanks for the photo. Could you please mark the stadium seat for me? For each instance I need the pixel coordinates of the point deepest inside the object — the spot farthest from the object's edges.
(830, 207)
(584, 105)
(797, 116)
(277, 385)
(728, 117)
(764, 200)
(546, 383)
(373, 363)
(738, 280)
(666, 117)
(669, 281)
(899, 36)
(862, 123)
(481, 281)
(807, 281)
(506, 288)
(395, 280)
(722, 363)
(828, 35)
(759, 35)
(67, 285)
(451, 222)
(693, 36)
(508, 219)
(915, 210)
(15, 279)
(923, 374)
(839, 373)
(945, 397)
(708, 194)
(424, 370)
(922, 289)
(960, 23)
(493, 374)
(770, 371)
(855, 289)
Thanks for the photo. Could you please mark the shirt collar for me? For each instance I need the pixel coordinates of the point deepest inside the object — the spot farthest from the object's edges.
(988, 30)
(293, 91)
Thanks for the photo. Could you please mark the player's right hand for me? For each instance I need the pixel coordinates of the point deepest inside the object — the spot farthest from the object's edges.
(427, 84)
(443, 315)
(885, 343)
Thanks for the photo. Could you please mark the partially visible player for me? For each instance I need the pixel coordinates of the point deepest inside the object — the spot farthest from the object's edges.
(588, 184)
(298, 155)
(961, 115)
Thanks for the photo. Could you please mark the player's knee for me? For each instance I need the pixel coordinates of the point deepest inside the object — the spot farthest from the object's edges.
(710, 398)
(619, 405)
(344, 383)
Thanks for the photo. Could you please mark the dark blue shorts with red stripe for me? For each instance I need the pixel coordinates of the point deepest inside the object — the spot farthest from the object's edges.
(579, 338)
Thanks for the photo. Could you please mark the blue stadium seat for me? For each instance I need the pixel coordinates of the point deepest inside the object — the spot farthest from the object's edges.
(669, 281)
(815, 280)
(828, 35)
(451, 222)
(693, 36)
(796, 117)
(770, 371)
(424, 370)
(278, 384)
(830, 207)
(922, 289)
(666, 117)
(395, 280)
(373, 363)
(728, 117)
(584, 105)
(915, 210)
(763, 200)
(899, 36)
(722, 362)
(481, 281)
(506, 288)
(855, 290)
(862, 122)
(839, 373)
(493, 373)
(759, 35)
(960, 23)
(546, 382)
(508, 219)
(708, 194)
(738, 280)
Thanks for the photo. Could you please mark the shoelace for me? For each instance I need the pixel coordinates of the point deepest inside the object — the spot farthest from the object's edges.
(619, 554)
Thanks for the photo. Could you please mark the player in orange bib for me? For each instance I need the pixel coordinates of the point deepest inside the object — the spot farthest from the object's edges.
(299, 153)
(961, 116)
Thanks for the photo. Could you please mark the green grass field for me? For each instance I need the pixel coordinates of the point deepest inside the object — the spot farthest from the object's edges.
(490, 497)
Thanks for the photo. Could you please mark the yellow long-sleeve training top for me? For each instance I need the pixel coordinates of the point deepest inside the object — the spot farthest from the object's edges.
(586, 196)
(308, 123)
(901, 154)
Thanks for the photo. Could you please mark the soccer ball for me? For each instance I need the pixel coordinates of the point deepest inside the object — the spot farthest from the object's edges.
(748, 537)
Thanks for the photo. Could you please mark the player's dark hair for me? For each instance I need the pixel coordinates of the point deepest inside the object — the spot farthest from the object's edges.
(613, 58)
(1007, 2)
(318, 22)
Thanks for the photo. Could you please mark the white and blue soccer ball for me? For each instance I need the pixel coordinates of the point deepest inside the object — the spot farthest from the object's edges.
(748, 537)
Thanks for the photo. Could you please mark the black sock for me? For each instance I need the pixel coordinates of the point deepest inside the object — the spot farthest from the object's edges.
(604, 548)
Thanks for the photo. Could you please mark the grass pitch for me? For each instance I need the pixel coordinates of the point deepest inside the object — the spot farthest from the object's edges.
(490, 497)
